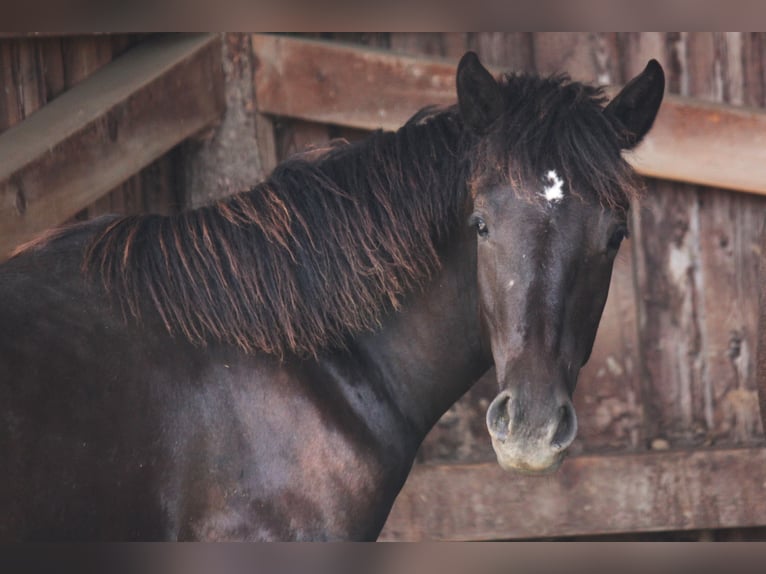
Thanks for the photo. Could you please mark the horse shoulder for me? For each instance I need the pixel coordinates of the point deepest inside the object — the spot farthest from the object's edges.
(286, 457)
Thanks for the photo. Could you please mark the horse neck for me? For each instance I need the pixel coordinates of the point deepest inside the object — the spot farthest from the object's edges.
(432, 351)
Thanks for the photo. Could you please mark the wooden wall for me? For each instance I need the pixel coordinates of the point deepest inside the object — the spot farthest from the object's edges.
(35, 70)
(108, 134)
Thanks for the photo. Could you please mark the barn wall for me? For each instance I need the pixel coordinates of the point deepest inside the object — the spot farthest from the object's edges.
(35, 70)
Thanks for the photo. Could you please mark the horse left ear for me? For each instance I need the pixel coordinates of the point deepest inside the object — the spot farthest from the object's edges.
(479, 96)
(636, 106)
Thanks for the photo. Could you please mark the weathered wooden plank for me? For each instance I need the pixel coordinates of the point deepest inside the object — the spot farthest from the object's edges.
(696, 265)
(674, 490)
(347, 85)
(733, 140)
(10, 109)
(666, 236)
(227, 160)
(78, 58)
(729, 256)
(83, 55)
(729, 232)
(105, 129)
(711, 144)
(51, 66)
(295, 136)
(585, 56)
(672, 358)
(513, 51)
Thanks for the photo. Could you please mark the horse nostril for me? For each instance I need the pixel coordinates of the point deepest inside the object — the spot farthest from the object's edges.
(567, 427)
(498, 416)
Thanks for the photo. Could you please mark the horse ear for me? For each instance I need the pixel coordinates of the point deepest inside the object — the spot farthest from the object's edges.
(478, 94)
(635, 107)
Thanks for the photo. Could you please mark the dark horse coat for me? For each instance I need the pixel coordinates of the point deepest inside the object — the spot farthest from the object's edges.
(266, 367)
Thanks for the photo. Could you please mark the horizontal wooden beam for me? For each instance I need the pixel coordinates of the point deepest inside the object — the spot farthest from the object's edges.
(709, 144)
(335, 83)
(93, 137)
(589, 495)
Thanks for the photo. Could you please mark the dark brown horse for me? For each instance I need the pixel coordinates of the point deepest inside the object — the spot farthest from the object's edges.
(266, 367)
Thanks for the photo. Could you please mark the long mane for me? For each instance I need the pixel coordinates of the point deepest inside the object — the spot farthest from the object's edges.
(323, 248)
(332, 241)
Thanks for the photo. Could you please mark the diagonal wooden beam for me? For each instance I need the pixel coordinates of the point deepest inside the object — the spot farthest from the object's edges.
(105, 129)
(692, 141)
(588, 495)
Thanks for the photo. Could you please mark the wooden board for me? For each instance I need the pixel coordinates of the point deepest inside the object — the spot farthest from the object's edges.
(235, 155)
(696, 265)
(589, 495)
(105, 129)
(347, 85)
(694, 141)
(37, 69)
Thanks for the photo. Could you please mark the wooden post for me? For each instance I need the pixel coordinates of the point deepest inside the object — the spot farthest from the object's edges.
(238, 152)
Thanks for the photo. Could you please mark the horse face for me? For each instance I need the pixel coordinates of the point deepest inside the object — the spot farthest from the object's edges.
(543, 274)
(545, 253)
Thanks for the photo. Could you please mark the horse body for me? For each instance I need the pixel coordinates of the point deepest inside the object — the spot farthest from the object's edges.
(168, 393)
(213, 443)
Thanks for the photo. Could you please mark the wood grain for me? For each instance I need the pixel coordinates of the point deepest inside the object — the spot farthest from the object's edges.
(589, 495)
(228, 158)
(693, 141)
(348, 85)
(696, 265)
(47, 65)
(105, 129)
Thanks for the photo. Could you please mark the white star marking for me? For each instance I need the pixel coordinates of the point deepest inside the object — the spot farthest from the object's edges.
(555, 191)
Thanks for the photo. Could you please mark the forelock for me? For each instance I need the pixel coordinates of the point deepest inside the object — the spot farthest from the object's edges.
(553, 123)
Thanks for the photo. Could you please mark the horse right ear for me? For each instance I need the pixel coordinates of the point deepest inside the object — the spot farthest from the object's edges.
(636, 106)
(479, 96)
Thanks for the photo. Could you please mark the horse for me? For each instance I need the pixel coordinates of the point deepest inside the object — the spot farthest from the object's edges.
(265, 367)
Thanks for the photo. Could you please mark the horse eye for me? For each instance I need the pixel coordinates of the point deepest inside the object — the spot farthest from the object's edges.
(481, 228)
(616, 238)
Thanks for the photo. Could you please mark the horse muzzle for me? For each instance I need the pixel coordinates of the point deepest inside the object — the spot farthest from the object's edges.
(531, 439)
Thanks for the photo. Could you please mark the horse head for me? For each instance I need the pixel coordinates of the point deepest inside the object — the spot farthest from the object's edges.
(550, 196)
